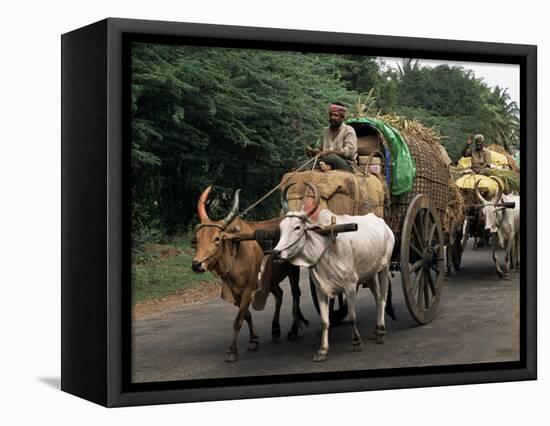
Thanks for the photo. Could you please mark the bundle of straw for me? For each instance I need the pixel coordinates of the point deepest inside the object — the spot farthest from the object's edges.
(509, 178)
(500, 149)
(455, 211)
(411, 128)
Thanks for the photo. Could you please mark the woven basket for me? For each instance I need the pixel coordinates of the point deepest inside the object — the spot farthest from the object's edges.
(432, 179)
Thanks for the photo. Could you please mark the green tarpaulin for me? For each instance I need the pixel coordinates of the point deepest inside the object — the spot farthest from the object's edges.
(403, 165)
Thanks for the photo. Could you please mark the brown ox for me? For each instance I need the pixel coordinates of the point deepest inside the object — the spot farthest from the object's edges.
(237, 264)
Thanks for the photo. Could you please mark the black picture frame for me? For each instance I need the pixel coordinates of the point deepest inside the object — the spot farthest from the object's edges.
(96, 320)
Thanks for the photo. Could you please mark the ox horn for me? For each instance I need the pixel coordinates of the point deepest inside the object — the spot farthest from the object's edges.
(316, 199)
(500, 188)
(284, 199)
(478, 194)
(201, 205)
(234, 209)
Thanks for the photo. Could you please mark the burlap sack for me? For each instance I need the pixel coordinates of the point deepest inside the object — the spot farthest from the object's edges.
(341, 192)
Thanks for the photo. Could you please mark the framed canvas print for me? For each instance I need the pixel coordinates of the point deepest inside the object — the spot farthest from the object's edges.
(253, 212)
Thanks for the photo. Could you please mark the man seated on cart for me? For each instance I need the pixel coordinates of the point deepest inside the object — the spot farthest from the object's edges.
(481, 157)
(338, 141)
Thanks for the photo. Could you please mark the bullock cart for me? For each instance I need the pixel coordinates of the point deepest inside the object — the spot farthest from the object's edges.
(501, 178)
(475, 190)
(409, 188)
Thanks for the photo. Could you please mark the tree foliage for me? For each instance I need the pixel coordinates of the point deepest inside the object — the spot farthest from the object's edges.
(238, 118)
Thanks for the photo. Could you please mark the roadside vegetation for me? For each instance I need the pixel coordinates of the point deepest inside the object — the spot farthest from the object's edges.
(159, 270)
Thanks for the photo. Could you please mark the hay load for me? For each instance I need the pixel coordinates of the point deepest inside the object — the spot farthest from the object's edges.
(512, 164)
(424, 163)
(497, 160)
(487, 186)
(503, 166)
(414, 130)
(455, 211)
(509, 178)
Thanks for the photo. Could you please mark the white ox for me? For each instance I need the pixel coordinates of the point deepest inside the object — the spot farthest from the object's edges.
(355, 258)
(502, 220)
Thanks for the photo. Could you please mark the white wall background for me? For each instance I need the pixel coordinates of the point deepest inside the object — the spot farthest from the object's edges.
(30, 211)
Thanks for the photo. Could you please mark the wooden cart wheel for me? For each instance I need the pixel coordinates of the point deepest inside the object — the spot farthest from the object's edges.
(336, 315)
(422, 259)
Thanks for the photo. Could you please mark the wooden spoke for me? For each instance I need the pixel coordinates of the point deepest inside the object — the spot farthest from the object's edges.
(432, 231)
(416, 265)
(430, 281)
(421, 288)
(418, 237)
(427, 225)
(418, 278)
(417, 251)
(426, 294)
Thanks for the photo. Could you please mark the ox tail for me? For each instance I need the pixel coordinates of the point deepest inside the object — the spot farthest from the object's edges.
(389, 306)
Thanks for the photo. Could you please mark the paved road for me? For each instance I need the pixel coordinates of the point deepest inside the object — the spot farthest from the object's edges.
(477, 321)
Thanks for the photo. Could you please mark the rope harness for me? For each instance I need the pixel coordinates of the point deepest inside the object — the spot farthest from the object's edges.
(302, 167)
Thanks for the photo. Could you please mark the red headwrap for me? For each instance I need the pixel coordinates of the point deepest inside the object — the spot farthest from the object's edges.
(337, 108)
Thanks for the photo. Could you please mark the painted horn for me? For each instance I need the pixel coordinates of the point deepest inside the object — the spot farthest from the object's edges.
(500, 188)
(234, 209)
(201, 205)
(284, 199)
(316, 199)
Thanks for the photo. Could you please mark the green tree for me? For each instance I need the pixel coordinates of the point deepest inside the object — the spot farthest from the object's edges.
(239, 118)
(232, 118)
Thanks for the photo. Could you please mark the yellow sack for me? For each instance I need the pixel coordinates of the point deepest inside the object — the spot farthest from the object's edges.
(486, 184)
(497, 159)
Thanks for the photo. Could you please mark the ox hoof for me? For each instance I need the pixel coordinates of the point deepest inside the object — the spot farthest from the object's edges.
(320, 357)
(276, 333)
(231, 357)
(357, 346)
(292, 335)
(379, 334)
(253, 345)
(506, 277)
